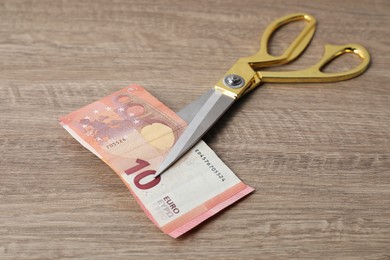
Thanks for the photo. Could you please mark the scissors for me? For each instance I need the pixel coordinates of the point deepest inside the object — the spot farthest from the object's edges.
(247, 74)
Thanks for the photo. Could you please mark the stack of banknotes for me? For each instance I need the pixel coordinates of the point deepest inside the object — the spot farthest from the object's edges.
(132, 132)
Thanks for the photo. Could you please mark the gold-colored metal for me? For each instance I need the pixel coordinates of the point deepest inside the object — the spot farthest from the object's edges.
(249, 68)
(314, 73)
(247, 74)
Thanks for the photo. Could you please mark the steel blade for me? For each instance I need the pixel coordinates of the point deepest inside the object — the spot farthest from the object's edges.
(205, 117)
(188, 112)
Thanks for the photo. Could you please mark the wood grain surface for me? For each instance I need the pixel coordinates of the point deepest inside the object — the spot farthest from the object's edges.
(318, 155)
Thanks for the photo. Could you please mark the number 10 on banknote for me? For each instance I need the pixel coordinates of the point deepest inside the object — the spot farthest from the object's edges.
(132, 132)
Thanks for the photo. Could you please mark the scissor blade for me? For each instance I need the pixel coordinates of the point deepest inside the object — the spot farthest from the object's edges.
(187, 113)
(206, 116)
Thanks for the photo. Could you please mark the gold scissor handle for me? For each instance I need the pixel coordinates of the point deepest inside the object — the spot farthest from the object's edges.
(264, 59)
(314, 73)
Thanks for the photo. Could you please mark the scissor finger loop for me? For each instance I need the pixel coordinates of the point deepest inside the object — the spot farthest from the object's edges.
(264, 59)
(315, 73)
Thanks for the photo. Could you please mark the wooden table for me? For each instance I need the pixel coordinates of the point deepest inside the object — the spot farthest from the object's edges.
(318, 155)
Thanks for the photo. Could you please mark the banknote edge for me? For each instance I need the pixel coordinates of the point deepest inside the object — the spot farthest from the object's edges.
(80, 140)
(211, 212)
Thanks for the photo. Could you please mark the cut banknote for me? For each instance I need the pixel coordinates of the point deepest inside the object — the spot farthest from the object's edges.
(132, 132)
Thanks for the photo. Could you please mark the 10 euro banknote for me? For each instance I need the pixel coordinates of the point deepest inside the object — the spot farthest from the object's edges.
(132, 132)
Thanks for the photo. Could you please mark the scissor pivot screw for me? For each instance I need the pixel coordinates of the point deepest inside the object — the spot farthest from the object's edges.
(233, 81)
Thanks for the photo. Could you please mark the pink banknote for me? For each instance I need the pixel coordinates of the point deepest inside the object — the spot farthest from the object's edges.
(132, 132)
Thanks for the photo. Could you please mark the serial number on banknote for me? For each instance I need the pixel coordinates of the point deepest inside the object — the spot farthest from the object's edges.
(115, 143)
(210, 165)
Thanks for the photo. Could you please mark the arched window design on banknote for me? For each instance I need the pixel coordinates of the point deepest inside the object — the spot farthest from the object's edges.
(123, 117)
(142, 114)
